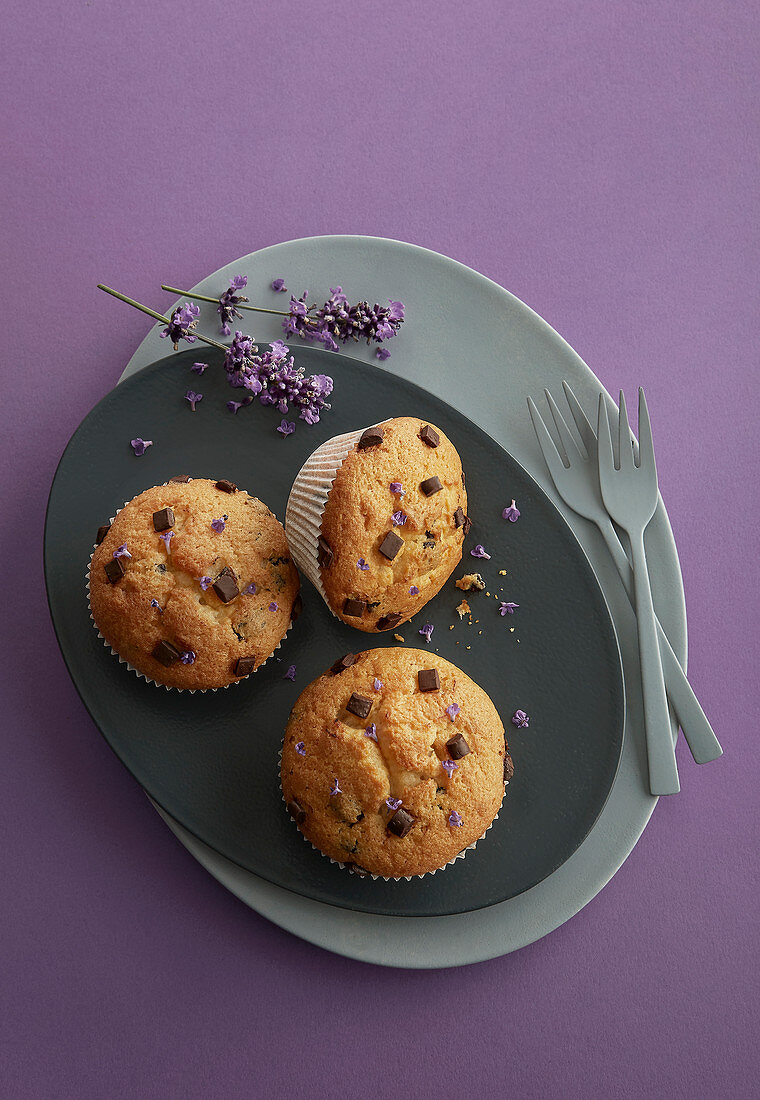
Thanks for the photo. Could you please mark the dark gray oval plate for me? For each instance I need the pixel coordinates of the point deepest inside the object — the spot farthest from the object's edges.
(211, 760)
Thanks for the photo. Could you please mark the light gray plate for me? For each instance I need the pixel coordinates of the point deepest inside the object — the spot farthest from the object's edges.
(474, 344)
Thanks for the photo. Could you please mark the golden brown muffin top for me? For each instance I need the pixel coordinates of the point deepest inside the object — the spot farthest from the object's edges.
(394, 522)
(222, 587)
(371, 735)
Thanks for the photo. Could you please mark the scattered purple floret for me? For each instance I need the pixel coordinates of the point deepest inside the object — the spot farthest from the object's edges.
(397, 488)
(199, 368)
(480, 552)
(140, 446)
(188, 657)
(233, 406)
(361, 564)
(453, 710)
(218, 525)
(371, 732)
(414, 590)
(449, 767)
(512, 513)
(156, 604)
(455, 819)
(335, 789)
(205, 582)
(121, 551)
(287, 427)
(507, 608)
(193, 398)
(399, 519)
(291, 673)
(250, 589)
(181, 323)
(166, 537)
(300, 748)
(273, 606)
(383, 353)
(278, 285)
(520, 718)
(378, 685)
(427, 631)
(393, 803)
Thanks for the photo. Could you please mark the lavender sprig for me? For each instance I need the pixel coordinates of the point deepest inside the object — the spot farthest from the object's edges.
(229, 301)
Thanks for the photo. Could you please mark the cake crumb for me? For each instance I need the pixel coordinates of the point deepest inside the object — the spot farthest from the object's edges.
(451, 627)
(471, 581)
(502, 572)
(511, 630)
(463, 609)
(399, 638)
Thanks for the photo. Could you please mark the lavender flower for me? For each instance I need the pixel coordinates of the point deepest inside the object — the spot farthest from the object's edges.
(455, 819)
(181, 323)
(205, 582)
(371, 732)
(393, 803)
(383, 353)
(157, 605)
(233, 406)
(287, 427)
(414, 590)
(449, 767)
(335, 789)
(427, 631)
(273, 606)
(300, 748)
(227, 308)
(452, 710)
(399, 519)
(140, 446)
(397, 488)
(239, 363)
(188, 657)
(512, 513)
(218, 525)
(278, 285)
(479, 552)
(250, 589)
(121, 551)
(337, 321)
(198, 368)
(507, 608)
(274, 377)
(291, 673)
(193, 398)
(520, 719)
(361, 564)
(166, 537)
(378, 685)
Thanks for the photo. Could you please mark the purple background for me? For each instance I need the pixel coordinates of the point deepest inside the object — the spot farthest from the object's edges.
(600, 161)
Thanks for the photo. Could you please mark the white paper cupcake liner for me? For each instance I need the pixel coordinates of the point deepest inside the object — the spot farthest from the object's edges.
(307, 500)
(388, 878)
(141, 675)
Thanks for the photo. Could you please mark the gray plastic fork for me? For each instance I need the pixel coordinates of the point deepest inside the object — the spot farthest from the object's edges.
(629, 492)
(578, 485)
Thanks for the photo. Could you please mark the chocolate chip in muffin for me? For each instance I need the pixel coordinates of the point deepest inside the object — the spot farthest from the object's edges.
(390, 545)
(509, 768)
(244, 666)
(343, 663)
(401, 822)
(324, 553)
(355, 869)
(297, 608)
(457, 747)
(370, 438)
(428, 679)
(181, 479)
(114, 570)
(431, 485)
(102, 532)
(225, 486)
(165, 653)
(226, 586)
(163, 519)
(296, 811)
(430, 436)
(459, 518)
(354, 608)
(359, 705)
(388, 621)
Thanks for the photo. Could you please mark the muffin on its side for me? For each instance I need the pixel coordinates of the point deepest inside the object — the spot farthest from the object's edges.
(377, 519)
(394, 762)
(192, 584)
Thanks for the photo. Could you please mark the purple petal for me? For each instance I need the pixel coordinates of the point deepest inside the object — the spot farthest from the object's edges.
(291, 673)
(140, 446)
(455, 819)
(300, 748)
(480, 552)
(512, 513)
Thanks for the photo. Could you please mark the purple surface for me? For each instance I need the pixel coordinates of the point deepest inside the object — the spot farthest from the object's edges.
(600, 161)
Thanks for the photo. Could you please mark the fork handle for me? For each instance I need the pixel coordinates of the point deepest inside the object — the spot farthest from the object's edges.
(701, 739)
(663, 772)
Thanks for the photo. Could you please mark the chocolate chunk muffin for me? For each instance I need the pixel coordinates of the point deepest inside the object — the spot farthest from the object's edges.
(377, 519)
(192, 584)
(394, 762)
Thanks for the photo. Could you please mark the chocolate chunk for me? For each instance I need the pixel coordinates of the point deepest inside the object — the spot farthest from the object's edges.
(401, 822)
(163, 519)
(225, 486)
(354, 608)
(296, 811)
(324, 553)
(388, 621)
(509, 768)
(355, 869)
(371, 438)
(430, 436)
(428, 679)
(165, 653)
(459, 518)
(359, 705)
(182, 479)
(343, 663)
(102, 532)
(297, 608)
(467, 525)
(114, 570)
(244, 666)
(226, 586)
(457, 747)
(428, 544)
(390, 545)
(432, 485)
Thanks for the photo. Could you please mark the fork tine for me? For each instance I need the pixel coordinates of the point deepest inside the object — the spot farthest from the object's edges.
(566, 437)
(646, 446)
(604, 439)
(582, 422)
(548, 447)
(625, 453)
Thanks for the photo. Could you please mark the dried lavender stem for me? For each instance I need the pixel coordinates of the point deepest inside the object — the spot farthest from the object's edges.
(205, 298)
